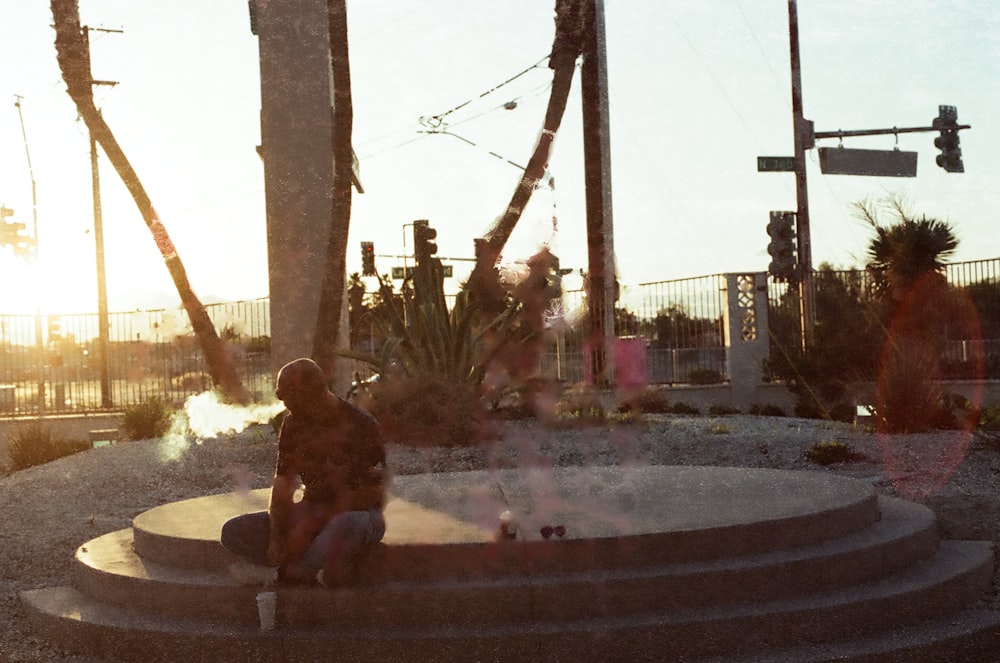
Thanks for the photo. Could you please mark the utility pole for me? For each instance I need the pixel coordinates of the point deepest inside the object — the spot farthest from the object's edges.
(803, 130)
(39, 346)
(597, 168)
(103, 323)
(31, 174)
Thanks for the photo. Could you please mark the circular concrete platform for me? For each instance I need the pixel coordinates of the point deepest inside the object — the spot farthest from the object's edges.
(663, 514)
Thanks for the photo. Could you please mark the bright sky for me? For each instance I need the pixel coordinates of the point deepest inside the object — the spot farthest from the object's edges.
(699, 89)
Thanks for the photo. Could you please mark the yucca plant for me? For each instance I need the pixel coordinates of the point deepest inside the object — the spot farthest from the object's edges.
(434, 360)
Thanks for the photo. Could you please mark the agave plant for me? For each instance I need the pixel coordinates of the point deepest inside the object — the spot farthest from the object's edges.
(424, 337)
(434, 360)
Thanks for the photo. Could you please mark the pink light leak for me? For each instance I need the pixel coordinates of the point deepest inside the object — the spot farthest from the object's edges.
(912, 361)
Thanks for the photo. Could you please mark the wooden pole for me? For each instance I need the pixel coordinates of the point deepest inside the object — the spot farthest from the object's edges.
(603, 284)
(804, 139)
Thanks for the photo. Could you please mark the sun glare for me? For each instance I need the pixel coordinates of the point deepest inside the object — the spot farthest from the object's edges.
(21, 291)
(42, 288)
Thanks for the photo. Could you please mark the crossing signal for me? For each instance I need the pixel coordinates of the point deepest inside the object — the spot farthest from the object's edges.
(781, 229)
(368, 259)
(951, 154)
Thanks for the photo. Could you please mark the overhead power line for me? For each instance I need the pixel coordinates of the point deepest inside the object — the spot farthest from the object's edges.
(435, 121)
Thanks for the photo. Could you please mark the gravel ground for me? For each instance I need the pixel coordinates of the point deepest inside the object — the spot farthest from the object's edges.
(48, 511)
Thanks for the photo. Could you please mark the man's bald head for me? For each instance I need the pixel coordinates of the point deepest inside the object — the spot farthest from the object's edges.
(299, 382)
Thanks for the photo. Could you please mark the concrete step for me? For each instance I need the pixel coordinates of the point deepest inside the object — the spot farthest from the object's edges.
(636, 516)
(108, 569)
(955, 576)
(971, 635)
(657, 563)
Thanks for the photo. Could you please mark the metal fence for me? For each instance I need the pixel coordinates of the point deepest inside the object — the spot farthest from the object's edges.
(52, 363)
(680, 322)
(979, 283)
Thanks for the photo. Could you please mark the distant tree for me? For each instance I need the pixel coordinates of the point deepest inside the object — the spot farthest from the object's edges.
(848, 337)
(986, 297)
(906, 260)
(909, 251)
(357, 309)
(626, 323)
(675, 328)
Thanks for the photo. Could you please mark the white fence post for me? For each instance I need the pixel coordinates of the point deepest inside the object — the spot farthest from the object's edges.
(746, 334)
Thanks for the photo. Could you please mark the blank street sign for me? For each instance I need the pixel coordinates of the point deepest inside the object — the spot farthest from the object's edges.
(879, 163)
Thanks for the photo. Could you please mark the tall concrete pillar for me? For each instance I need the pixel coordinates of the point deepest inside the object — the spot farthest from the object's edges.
(747, 343)
(297, 148)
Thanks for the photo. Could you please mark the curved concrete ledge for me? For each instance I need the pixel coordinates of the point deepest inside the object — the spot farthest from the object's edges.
(652, 515)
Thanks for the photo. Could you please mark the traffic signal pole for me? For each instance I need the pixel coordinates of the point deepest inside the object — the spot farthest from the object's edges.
(803, 130)
(805, 139)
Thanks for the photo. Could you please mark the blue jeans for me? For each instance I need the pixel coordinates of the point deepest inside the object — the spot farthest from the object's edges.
(348, 533)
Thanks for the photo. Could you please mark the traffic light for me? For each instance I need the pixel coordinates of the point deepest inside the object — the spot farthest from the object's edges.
(546, 275)
(781, 229)
(368, 259)
(10, 235)
(424, 246)
(55, 327)
(951, 154)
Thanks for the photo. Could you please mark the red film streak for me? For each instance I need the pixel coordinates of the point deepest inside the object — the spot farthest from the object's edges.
(912, 368)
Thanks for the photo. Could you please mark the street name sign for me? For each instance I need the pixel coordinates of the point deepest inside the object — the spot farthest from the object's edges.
(775, 164)
(397, 272)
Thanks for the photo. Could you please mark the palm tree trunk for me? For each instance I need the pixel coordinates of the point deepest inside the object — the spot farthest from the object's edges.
(329, 317)
(74, 61)
(566, 47)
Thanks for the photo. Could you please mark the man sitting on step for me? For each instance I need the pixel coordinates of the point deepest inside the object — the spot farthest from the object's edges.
(338, 453)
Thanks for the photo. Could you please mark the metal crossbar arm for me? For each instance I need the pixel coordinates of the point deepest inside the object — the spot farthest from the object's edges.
(882, 132)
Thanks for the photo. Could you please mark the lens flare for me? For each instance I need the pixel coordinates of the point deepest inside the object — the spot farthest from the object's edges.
(911, 394)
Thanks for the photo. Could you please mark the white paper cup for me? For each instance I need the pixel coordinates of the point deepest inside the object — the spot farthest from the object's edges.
(267, 603)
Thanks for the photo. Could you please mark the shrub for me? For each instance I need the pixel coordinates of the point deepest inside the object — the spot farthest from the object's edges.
(516, 412)
(704, 376)
(145, 420)
(958, 413)
(767, 410)
(429, 410)
(652, 401)
(722, 410)
(683, 408)
(34, 444)
(583, 406)
(989, 426)
(989, 419)
(909, 399)
(831, 451)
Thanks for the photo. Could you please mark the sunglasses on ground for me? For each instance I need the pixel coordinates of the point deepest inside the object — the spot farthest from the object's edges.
(548, 531)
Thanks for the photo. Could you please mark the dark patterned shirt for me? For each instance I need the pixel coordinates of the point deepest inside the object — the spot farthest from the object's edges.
(336, 451)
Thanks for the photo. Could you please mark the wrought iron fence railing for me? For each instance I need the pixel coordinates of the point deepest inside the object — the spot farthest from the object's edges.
(54, 363)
